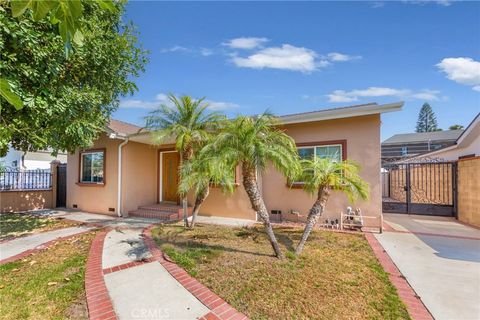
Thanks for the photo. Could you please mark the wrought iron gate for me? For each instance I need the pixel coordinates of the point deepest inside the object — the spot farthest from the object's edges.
(420, 188)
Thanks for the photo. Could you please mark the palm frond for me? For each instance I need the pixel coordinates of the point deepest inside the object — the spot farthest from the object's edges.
(343, 176)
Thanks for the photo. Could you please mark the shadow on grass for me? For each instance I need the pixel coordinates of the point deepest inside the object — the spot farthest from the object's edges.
(15, 223)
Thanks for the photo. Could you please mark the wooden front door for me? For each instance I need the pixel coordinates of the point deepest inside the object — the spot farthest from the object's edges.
(170, 163)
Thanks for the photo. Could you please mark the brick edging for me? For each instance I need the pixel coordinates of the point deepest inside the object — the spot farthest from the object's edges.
(99, 304)
(416, 308)
(219, 309)
(39, 247)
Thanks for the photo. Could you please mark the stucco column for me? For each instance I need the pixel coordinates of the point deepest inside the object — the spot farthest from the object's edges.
(53, 170)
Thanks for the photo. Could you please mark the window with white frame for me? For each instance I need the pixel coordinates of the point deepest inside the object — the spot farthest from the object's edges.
(92, 167)
(333, 152)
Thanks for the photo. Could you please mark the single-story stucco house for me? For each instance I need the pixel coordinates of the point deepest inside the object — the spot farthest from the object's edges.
(124, 173)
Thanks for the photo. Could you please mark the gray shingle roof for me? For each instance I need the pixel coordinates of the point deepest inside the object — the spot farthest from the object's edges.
(447, 135)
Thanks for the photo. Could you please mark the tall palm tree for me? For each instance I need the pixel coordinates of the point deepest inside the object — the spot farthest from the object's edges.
(200, 173)
(187, 121)
(252, 143)
(321, 176)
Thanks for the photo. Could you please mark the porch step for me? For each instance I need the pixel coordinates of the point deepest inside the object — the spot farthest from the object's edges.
(167, 216)
(163, 211)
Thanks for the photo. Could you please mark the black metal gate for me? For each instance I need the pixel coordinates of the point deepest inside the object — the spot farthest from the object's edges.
(61, 185)
(420, 188)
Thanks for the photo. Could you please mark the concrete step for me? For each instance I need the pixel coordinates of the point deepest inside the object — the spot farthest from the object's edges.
(161, 207)
(155, 214)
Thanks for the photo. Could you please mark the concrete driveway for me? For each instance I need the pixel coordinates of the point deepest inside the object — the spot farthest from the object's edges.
(440, 258)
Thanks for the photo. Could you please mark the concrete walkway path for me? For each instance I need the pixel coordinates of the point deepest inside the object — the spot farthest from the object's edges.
(16, 247)
(128, 278)
(146, 290)
(440, 258)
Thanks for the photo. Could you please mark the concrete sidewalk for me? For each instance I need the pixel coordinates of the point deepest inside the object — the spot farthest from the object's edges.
(145, 291)
(440, 258)
(17, 246)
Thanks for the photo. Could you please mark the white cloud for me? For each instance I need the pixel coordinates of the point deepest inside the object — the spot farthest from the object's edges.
(219, 105)
(174, 49)
(355, 95)
(443, 3)
(462, 70)
(286, 57)
(245, 42)
(138, 104)
(206, 52)
(162, 98)
(340, 57)
(378, 4)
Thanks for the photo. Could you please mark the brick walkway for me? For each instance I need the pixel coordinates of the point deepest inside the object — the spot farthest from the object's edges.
(142, 289)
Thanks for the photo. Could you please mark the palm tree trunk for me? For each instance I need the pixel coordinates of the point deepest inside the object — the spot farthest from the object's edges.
(251, 187)
(198, 203)
(185, 156)
(315, 212)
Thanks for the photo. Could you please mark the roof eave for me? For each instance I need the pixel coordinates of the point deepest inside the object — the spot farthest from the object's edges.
(342, 113)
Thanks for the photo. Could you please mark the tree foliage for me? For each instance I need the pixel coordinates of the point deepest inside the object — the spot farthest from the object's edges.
(427, 121)
(67, 99)
(455, 127)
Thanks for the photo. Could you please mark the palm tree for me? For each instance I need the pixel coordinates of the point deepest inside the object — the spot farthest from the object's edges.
(252, 143)
(188, 122)
(320, 177)
(200, 173)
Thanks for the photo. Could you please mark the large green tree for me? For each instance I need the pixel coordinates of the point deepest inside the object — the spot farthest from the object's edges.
(67, 99)
(427, 121)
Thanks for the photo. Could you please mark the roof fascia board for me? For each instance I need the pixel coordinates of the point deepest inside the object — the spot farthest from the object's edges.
(341, 113)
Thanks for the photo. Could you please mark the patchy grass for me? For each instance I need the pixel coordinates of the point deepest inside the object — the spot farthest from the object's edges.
(19, 224)
(48, 284)
(337, 277)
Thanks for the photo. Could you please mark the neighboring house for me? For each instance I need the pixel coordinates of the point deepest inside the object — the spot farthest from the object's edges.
(123, 170)
(30, 160)
(467, 145)
(406, 145)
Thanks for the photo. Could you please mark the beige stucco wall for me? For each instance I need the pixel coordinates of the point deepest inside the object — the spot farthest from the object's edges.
(363, 146)
(469, 191)
(14, 201)
(140, 176)
(236, 205)
(94, 198)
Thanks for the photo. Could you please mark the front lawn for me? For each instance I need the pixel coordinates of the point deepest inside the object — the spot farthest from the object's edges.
(48, 284)
(337, 277)
(18, 224)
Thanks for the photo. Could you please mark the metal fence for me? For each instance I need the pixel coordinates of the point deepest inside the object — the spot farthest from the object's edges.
(25, 180)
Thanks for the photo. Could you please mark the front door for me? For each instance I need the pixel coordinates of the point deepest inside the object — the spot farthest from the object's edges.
(170, 163)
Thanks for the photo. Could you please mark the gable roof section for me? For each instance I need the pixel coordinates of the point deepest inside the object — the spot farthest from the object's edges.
(122, 128)
(447, 135)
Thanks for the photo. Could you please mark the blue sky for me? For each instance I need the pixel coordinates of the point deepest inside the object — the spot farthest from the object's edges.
(292, 57)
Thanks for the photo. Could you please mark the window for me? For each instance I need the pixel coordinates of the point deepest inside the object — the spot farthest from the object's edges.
(404, 151)
(92, 167)
(333, 151)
